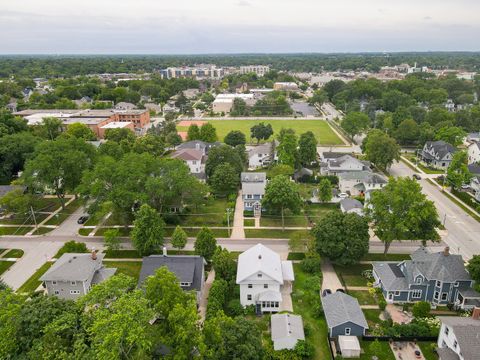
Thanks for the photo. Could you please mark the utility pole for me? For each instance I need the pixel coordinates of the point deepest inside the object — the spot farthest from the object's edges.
(34, 218)
(228, 220)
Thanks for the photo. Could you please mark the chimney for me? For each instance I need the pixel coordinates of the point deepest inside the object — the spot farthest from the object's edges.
(94, 255)
(476, 313)
(446, 251)
(164, 251)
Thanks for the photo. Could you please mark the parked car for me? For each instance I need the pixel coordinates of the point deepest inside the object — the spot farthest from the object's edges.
(416, 177)
(326, 292)
(465, 186)
(83, 219)
(343, 195)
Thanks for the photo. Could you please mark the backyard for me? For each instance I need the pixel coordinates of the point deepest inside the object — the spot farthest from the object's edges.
(130, 268)
(320, 128)
(351, 275)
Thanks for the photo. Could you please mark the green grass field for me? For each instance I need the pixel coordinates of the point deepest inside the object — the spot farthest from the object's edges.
(14, 253)
(351, 275)
(33, 283)
(320, 128)
(5, 265)
(130, 268)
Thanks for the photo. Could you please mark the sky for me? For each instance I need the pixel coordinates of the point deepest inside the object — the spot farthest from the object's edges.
(237, 26)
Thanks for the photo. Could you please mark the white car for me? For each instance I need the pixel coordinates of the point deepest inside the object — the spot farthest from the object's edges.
(343, 195)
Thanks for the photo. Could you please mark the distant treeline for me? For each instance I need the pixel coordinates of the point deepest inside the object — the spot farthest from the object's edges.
(71, 65)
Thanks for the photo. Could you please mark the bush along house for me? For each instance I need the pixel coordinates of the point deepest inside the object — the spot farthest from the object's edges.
(439, 278)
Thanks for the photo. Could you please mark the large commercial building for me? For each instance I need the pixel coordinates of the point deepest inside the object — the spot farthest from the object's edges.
(260, 70)
(224, 102)
(196, 72)
(97, 120)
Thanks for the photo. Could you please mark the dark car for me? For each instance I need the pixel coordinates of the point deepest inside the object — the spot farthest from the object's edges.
(326, 292)
(416, 177)
(83, 219)
(341, 290)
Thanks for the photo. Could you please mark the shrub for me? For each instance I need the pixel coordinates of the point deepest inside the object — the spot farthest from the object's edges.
(171, 219)
(248, 213)
(317, 308)
(304, 349)
(235, 308)
(311, 264)
(382, 304)
(217, 297)
(421, 309)
(375, 347)
(232, 198)
(72, 247)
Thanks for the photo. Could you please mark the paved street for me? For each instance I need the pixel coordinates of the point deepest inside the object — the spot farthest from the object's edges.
(463, 235)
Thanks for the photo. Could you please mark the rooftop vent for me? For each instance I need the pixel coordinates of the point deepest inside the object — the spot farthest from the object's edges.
(446, 251)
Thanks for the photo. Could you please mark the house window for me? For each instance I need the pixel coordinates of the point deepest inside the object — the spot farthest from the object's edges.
(457, 283)
(416, 294)
(444, 296)
(184, 284)
(436, 295)
(259, 275)
(74, 292)
(418, 280)
(277, 304)
(54, 283)
(397, 293)
(194, 162)
(56, 292)
(438, 283)
(249, 196)
(249, 297)
(250, 286)
(455, 343)
(447, 330)
(348, 331)
(73, 283)
(265, 286)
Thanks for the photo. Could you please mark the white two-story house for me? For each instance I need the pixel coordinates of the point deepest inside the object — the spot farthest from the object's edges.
(474, 152)
(342, 164)
(263, 278)
(262, 155)
(459, 337)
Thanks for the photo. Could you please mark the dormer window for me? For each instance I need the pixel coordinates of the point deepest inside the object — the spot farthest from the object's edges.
(418, 280)
(259, 275)
(438, 283)
(185, 284)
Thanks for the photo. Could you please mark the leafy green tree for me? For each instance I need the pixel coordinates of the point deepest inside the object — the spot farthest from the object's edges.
(458, 173)
(80, 131)
(107, 292)
(121, 330)
(59, 165)
(450, 134)
(287, 148)
(325, 190)
(193, 132)
(421, 309)
(224, 180)
(10, 124)
(307, 148)
(224, 264)
(149, 143)
(473, 268)
(149, 228)
(333, 87)
(120, 134)
(239, 108)
(15, 149)
(50, 128)
(381, 149)
(72, 247)
(179, 238)
(261, 131)
(112, 239)
(17, 202)
(173, 139)
(342, 238)
(223, 154)
(407, 132)
(205, 244)
(355, 123)
(208, 133)
(376, 348)
(401, 211)
(10, 310)
(234, 138)
(282, 194)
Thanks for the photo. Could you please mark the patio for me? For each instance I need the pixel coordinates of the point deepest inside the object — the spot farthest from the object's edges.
(406, 351)
(397, 315)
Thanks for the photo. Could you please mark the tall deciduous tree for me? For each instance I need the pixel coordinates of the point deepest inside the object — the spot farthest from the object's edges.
(287, 148)
(381, 149)
(15, 149)
(325, 190)
(147, 234)
(402, 212)
(458, 173)
(223, 154)
(234, 138)
(282, 194)
(450, 134)
(208, 133)
(224, 264)
(193, 132)
(179, 238)
(355, 123)
(205, 244)
(261, 131)
(224, 180)
(80, 131)
(307, 148)
(342, 238)
(59, 165)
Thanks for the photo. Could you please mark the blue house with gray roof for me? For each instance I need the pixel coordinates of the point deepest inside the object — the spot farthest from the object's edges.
(344, 315)
(439, 278)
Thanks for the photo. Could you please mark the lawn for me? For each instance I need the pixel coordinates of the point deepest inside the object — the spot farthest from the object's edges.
(372, 316)
(248, 222)
(14, 253)
(221, 233)
(210, 214)
(122, 231)
(42, 230)
(318, 334)
(5, 265)
(427, 350)
(269, 233)
(386, 353)
(320, 128)
(15, 230)
(290, 220)
(33, 283)
(45, 206)
(84, 232)
(315, 212)
(421, 166)
(363, 296)
(64, 214)
(351, 275)
(130, 268)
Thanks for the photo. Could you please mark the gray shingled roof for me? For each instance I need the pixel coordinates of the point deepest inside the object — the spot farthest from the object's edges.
(389, 274)
(253, 177)
(349, 204)
(186, 268)
(73, 267)
(287, 326)
(474, 168)
(441, 148)
(340, 308)
(447, 354)
(333, 154)
(467, 332)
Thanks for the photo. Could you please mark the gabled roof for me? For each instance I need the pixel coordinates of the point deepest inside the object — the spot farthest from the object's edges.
(341, 308)
(474, 169)
(188, 154)
(333, 154)
(467, 333)
(343, 159)
(350, 204)
(287, 326)
(73, 267)
(188, 269)
(441, 148)
(197, 144)
(259, 259)
(253, 177)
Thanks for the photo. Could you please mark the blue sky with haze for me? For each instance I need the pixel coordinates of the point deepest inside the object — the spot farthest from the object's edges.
(237, 26)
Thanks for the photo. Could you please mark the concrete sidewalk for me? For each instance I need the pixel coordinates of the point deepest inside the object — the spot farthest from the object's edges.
(330, 278)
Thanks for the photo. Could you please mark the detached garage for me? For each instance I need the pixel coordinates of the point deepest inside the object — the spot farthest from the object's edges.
(349, 346)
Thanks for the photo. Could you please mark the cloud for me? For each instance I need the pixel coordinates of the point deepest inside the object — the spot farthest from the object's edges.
(427, 18)
(243, 3)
